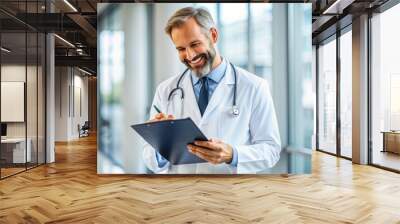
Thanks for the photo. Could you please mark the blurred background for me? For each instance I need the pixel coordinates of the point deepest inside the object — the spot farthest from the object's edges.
(272, 40)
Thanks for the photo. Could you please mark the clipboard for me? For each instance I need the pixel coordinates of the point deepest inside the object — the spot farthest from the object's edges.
(170, 139)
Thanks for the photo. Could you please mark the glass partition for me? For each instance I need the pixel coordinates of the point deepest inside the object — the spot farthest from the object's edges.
(14, 153)
(22, 88)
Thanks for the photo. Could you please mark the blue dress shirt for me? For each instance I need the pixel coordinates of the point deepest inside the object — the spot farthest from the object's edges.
(214, 78)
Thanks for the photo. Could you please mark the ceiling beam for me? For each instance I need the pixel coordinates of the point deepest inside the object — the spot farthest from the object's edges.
(337, 6)
(81, 61)
(84, 24)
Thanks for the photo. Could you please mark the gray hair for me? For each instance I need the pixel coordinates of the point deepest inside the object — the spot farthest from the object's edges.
(202, 17)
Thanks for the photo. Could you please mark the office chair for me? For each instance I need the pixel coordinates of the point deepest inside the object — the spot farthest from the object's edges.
(84, 130)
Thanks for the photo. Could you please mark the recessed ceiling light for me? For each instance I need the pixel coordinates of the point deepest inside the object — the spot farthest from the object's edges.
(5, 50)
(337, 7)
(65, 41)
(84, 71)
(70, 5)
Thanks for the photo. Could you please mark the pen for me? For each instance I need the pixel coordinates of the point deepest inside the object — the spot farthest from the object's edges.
(158, 110)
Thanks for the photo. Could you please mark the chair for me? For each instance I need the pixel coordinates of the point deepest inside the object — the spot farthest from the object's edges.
(84, 130)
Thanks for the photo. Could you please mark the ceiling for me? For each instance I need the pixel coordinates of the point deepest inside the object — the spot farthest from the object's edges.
(332, 15)
(76, 23)
(76, 20)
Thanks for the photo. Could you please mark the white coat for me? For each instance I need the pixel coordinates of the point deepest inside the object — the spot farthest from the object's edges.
(254, 133)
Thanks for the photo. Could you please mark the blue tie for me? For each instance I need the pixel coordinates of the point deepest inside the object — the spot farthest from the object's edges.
(203, 97)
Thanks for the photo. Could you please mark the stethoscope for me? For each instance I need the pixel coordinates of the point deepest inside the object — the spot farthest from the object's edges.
(235, 109)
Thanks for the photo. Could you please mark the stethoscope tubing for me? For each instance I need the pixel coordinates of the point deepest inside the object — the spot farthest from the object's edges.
(235, 111)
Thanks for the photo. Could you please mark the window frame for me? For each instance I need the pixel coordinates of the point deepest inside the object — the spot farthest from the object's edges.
(334, 37)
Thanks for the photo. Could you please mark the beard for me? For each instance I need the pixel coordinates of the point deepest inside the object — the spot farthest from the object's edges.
(206, 68)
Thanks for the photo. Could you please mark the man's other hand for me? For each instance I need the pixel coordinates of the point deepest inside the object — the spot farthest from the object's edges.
(213, 151)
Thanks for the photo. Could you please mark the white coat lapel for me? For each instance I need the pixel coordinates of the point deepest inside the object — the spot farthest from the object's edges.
(190, 102)
(223, 90)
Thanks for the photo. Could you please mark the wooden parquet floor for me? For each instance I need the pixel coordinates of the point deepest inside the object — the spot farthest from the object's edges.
(70, 191)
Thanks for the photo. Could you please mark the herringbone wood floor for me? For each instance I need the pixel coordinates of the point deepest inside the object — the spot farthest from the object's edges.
(70, 191)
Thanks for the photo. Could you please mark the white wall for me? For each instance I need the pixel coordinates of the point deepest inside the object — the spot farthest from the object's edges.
(16, 73)
(12, 73)
(69, 84)
(61, 103)
(79, 110)
(33, 126)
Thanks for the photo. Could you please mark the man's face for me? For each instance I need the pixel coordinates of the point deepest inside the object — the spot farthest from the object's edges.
(194, 47)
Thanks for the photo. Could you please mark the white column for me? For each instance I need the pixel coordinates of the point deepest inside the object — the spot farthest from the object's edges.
(360, 90)
(280, 68)
(135, 83)
(50, 99)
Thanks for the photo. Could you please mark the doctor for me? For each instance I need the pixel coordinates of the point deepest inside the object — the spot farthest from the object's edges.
(231, 106)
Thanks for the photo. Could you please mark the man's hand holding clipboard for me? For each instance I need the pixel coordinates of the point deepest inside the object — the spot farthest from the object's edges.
(213, 150)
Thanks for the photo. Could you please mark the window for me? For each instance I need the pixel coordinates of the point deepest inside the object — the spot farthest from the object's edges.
(346, 94)
(385, 85)
(261, 40)
(327, 96)
(233, 26)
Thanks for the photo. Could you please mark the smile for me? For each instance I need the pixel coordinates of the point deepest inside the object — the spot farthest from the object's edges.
(198, 62)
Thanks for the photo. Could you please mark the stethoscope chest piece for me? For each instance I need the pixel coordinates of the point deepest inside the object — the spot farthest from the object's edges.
(235, 111)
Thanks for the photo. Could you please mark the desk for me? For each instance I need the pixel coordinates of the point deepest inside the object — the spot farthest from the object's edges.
(13, 150)
(391, 141)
